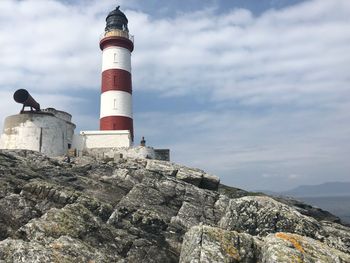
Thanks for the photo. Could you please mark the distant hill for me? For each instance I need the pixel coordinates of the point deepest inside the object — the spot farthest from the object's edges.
(325, 189)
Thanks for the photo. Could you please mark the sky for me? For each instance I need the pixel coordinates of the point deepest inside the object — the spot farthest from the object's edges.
(256, 92)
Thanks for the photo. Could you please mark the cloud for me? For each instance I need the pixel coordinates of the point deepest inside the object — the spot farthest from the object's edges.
(270, 59)
(277, 58)
(48, 45)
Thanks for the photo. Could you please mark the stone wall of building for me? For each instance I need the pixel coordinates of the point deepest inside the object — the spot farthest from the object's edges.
(38, 131)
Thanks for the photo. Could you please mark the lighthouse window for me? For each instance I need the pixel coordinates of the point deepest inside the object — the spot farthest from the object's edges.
(115, 104)
(115, 58)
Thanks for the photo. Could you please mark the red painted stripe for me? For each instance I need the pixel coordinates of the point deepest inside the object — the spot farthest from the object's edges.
(116, 41)
(116, 79)
(117, 123)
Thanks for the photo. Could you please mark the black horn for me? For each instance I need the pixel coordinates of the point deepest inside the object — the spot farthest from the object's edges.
(22, 96)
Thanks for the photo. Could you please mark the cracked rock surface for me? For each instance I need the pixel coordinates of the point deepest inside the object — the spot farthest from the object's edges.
(138, 210)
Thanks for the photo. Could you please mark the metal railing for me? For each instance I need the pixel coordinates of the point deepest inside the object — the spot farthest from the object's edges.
(118, 33)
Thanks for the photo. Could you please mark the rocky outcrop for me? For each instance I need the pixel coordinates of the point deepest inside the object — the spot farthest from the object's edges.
(261, 215)
(211, 244)
(290, 248)
(193, 176)
(139, 210)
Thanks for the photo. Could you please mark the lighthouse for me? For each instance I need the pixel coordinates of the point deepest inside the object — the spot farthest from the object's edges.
(116, 87)
(51, 131)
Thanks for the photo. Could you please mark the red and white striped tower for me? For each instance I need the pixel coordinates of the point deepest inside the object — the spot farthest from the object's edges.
(116, 91)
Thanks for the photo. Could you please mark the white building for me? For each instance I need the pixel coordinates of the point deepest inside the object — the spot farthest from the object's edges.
(47, 131)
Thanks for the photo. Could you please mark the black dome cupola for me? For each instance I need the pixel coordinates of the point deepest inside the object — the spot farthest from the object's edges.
(116, 19)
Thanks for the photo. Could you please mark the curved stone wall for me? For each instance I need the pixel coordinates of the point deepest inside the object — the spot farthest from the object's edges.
(37, 131)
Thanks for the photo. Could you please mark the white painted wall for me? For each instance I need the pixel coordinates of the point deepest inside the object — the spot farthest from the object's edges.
(116, 58)
(78, 142)
(101, 139)
(26, 136)
(40, 132)
(128, 152)
(116, 103)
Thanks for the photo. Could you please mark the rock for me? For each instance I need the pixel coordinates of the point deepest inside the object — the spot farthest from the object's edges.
(15, 212)
(193, 176)
(138, 210)
(163, 167)
(210, 182)
(63, 249)
(210, 244)
(198, 206)
(12, 250)
(189, 175)
(290, 248)
(261, 215)
(337, 236)
(232, 192)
